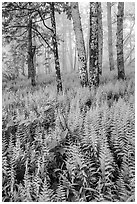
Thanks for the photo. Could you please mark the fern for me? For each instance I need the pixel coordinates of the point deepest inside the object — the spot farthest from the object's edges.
(46, 195)
(76, 147)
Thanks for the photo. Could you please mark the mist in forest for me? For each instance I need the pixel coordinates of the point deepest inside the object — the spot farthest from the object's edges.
(68, 101)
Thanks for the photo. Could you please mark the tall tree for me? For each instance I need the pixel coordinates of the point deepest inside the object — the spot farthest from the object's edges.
(93, 46)
(120, 55)
(31, 53)
(80, 43)
(55, 48)
(110, 44)
(100, 37)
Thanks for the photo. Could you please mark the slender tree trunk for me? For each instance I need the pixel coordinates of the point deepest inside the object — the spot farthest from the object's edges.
(87, 44)
(75, 58)
(29, 47)
(120, 55)
(23, 65)
(110, 44)
(46, 60)
(130, 42)
(55, 48)
(34, 57)
(63, 45)
(93, 46)
(80, 43)
(70, 45)
(31, 53)
(100, 37)
(49, 65)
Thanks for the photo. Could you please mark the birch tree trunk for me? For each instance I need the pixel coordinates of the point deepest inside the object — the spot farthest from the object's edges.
(100, 37)
(93, 46)
(55, 48)
(110, 44)
(120, 55)
(80, 44)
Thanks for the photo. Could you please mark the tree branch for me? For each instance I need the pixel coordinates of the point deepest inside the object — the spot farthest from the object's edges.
(44, 22)
(21, 34)
(129, 54)
(42, 37)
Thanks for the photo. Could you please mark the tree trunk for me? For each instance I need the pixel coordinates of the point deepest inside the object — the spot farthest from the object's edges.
(130, 42)
(70, 45)
(64, 67)
(120, 56)
(75, 58)
(93, 46)
(31, 53)
(55, 48)
(34, 57)
(48, 56)
(100, 37)
(110, 44)
(47, 60)
(80, 43)
(23, 66)
(29, 47)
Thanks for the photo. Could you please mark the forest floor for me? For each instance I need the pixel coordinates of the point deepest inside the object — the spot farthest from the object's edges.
(75, 146)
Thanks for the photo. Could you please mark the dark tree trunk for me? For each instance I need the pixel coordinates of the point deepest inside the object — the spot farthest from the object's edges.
(100, 37)
(120, 56)
(29, 47)
(110, 44)
(31, 53)
(93, 46)
(55, 48)
(80, 44)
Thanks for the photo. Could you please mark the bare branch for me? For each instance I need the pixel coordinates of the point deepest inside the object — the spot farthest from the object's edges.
(129, 54)
(21, 34)
(42, 37)
(44, 21)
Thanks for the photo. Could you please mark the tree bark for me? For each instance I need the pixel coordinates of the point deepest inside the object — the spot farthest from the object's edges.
(93, 46)
(80, 44)
(110, 44)
(100, 37)
(120, 55)
(31, 53)
(55, 48)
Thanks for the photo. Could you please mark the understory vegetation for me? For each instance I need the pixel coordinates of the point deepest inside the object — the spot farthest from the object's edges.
(74, 146)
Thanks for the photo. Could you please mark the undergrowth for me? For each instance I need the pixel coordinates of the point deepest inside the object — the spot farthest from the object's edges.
(77, 146)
